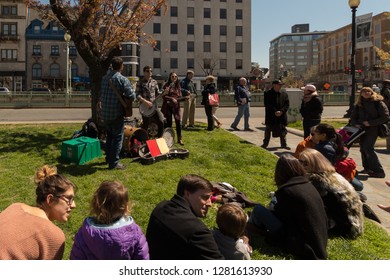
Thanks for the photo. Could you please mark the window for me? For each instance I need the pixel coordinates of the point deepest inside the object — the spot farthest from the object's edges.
(36, 50)
(75, 70)
(206, 47)
(222, 64)
(238, 30)
(173, 11)
(223, 30)
(190, 29)
(222, 13)
(207, 13)
(173, 28)
(238, 14)
(206, 30)
(174, 63)
(207, 63)
(9, 10)
(190, 46)
(36, 71)
(73, 50)
(9, 29)
(156, 28)
(8, 55)
(238, 63)
(222, 46)
(37, 29)
(55, 29)
(158, 46)
(55, 50)
(190, 63)
(173, 46)
(238, 1)
(55, 70)
(156, 62)
(190, 12)
(238, 47)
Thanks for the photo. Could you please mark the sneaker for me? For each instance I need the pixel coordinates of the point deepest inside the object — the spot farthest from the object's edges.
(184, 126)
(264, 146)
(376, 175)
(286, 147)
(235, 128)
(180, 142)
(119, 166)
(249, 129)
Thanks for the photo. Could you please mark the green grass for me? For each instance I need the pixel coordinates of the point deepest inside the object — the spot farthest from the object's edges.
(217, 155)
(336, 124)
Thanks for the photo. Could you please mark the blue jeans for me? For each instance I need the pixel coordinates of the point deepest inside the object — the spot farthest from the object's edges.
(358, 186)
(265, 219)
(243, 110)
(114, 132)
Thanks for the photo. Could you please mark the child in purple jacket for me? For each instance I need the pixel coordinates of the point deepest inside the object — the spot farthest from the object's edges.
(110, 233)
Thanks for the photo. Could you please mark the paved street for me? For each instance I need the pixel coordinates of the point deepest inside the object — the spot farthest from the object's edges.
(375, 189)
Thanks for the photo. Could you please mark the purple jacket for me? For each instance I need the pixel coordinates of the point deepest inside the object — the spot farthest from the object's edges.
(122, 240)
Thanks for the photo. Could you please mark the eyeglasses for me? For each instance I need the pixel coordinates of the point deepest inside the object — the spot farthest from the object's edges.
(69, 200)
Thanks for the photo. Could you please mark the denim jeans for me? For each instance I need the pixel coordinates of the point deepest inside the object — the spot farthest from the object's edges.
(265, 219)
(114, 131)
(243, 110)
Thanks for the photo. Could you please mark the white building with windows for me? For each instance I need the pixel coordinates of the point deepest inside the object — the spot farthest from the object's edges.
(208, 37)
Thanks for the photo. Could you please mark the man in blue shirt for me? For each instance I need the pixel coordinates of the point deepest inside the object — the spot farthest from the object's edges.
(113, 111)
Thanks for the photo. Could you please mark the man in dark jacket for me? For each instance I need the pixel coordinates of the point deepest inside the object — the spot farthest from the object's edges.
(276, 105)
(175, 231)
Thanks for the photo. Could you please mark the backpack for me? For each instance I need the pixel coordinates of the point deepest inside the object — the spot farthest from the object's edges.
(346, 167)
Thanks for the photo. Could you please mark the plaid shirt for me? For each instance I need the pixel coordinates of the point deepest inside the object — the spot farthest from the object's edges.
(111, 106)
(147, 89)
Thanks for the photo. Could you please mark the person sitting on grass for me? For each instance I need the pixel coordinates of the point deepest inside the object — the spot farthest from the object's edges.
(28, 232)
(341, 201)
(230, 238)
(298, 221)
(110, 233)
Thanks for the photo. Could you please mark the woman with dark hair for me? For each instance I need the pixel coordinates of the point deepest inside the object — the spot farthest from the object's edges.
(328, 142)
(28, 232)
(370, 112)
(171, 104)
(298, 222)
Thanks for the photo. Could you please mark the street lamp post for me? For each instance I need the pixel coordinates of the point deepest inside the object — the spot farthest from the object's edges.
(353, 4)
(67, 38)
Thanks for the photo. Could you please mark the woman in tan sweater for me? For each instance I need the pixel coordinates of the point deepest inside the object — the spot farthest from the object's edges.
(27, 232)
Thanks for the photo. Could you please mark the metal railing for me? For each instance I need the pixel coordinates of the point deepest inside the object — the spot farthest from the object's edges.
(82, 99)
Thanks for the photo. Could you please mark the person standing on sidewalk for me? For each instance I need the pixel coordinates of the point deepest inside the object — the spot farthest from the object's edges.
(113, 111)
(188, 89)
(311, 109)
(370, 112)
(242, 98)
(276, 105)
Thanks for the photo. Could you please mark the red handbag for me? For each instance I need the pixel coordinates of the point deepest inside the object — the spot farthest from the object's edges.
(214, 99)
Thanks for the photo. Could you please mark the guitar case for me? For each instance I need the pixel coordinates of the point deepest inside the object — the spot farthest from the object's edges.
(159, 149)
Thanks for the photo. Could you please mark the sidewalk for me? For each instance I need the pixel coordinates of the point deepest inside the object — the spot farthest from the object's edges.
(375, 189)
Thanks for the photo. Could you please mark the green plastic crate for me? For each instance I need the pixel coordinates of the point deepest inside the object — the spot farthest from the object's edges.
(81, 150)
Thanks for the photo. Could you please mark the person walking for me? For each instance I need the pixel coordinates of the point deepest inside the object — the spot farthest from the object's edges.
(188, 89)
(385, 92)
(370, 112)
(276, 105)
(242, 98)
(147, 91)
(114, 84)
(311, 109)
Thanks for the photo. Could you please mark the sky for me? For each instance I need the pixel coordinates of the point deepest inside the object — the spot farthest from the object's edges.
(273, 18)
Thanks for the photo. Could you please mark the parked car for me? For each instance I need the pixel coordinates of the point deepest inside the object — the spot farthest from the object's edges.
(4, 90)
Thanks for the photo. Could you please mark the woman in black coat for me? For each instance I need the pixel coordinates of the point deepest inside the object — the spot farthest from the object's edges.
(298, 222)
(209, 88)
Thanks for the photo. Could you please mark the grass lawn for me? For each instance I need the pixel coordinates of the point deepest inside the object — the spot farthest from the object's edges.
(217, 155)
(337, 124)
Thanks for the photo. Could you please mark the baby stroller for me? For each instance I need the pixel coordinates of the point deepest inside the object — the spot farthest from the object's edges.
(350, 135)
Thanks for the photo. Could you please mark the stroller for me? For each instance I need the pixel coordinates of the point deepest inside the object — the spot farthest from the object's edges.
(350, 135)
